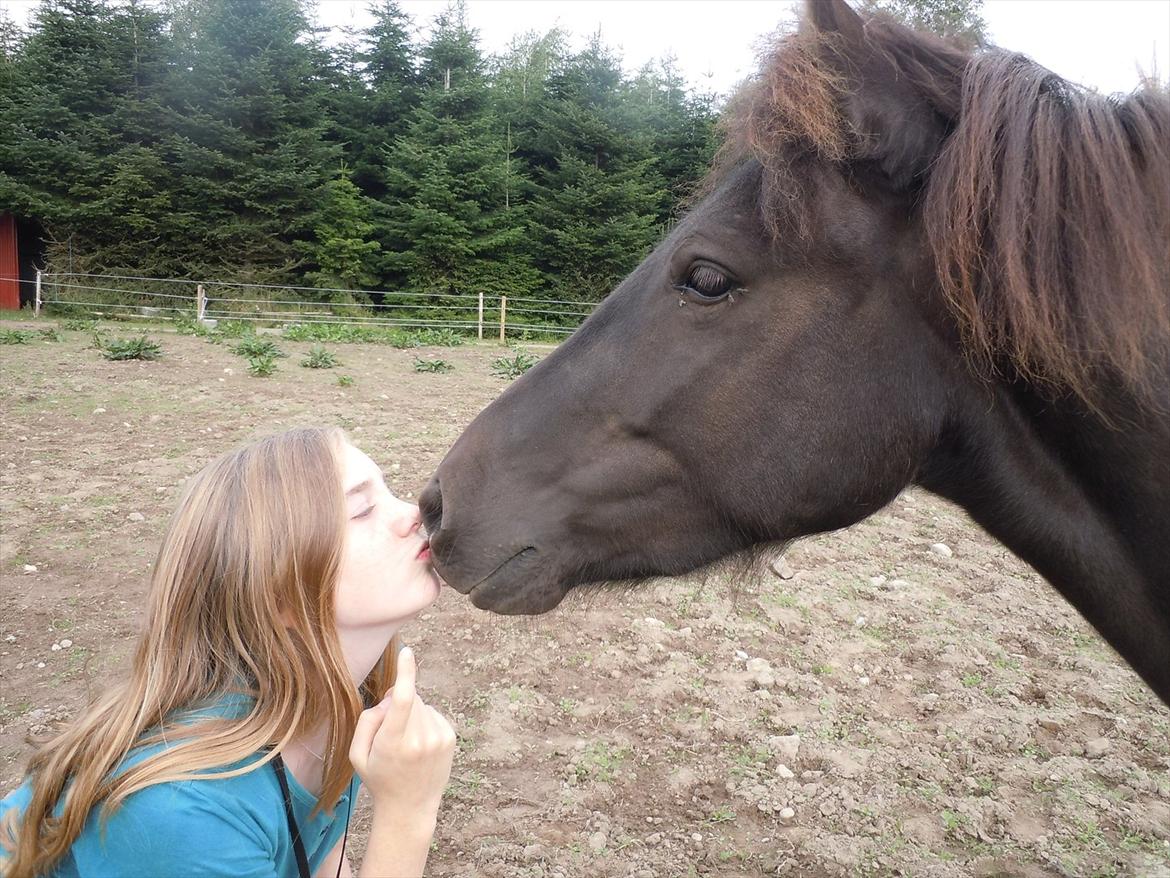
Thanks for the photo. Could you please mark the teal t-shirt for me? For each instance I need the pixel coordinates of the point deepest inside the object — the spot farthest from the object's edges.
(231, 827)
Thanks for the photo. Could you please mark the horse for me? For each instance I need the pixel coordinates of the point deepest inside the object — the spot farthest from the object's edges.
(912, 263)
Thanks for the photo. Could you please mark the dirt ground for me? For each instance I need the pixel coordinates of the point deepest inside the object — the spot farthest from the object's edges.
(887, 710)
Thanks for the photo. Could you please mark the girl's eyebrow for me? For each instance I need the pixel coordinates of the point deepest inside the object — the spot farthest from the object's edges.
(359, 487)
(365, 485)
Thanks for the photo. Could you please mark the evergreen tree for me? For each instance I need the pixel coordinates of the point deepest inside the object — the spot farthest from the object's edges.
(597, 194)
(343, 252)
(960, 19)
(448, 226)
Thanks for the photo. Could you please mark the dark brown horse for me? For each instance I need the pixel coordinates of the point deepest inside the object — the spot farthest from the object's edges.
(914, 265)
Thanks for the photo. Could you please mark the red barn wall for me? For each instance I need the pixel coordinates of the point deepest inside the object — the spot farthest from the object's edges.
(9, 264)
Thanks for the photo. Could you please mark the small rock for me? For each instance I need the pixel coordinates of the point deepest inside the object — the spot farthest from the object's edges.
(786, 747)
(1052, 725)
(859, 622)
(863, 681)
(616, 674)
(66, 643)
(40, 664)
(877, 581)
(651, 622)
(11, 638)
(787, 815)
(782, 568)
(1097, 748)
(136, 516)
(696, 837)
(30, 568)
(784, 771)
(684, 632)
(741, 655)
(942, 550)
(99, 411)
(654, 838)
(56, 647)
(598, 841)
(533, 852)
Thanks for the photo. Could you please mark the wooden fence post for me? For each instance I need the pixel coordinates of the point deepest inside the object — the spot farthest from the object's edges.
(200, 303)
(37, 300)
(481, 315)
(503, 317)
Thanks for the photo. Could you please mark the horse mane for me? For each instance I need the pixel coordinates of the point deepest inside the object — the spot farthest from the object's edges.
(1047, 207)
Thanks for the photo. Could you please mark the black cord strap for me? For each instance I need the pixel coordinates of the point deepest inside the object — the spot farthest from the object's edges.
(293, 829)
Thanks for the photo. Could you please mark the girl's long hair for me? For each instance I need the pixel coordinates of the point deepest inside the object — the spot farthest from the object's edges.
(241, 601)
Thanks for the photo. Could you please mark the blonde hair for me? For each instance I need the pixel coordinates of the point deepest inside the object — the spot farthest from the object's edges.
(241, 601)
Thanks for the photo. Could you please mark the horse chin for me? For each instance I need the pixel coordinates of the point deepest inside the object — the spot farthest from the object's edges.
(521, 585)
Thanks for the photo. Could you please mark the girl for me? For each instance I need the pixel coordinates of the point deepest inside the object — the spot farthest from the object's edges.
(282, 580)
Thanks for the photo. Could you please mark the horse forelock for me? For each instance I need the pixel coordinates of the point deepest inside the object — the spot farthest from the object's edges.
(1046, 209)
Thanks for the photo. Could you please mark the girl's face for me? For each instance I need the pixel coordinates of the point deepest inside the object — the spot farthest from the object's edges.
(386, 575)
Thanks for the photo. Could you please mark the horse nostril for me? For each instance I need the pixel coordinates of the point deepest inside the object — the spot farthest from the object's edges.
(430, 506)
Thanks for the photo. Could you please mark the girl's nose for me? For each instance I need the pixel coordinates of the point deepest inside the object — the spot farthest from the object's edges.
(405, 518)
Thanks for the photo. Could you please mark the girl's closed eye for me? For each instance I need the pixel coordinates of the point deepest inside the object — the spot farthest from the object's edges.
(365, 512)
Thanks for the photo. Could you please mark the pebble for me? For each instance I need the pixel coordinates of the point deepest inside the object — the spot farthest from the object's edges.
(784, 771)
(11, 638)
(1097, 747)
(761, 671)
(782, 568)
(741, 655)
(942, 550)
(66, 643)
(654, 838)
(40, 664)
(56, 647)
(684, 632)
(786, 747)
(787, 815)
(696, 837)
(99, 411)
(877, 581)
(598, 841)
(136, 516)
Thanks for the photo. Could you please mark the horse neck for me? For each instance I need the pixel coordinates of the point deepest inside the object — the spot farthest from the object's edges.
(1084, 504)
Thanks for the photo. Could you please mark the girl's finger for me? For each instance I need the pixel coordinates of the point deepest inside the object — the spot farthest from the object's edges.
(402, 696)
(367, 728)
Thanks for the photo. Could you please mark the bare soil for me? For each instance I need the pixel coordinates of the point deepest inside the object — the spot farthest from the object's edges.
(918, 714)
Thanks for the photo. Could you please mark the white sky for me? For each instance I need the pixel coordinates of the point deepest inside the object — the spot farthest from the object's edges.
(1101, 43)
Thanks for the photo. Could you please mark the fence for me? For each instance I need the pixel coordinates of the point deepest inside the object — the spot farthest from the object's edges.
(165, 298)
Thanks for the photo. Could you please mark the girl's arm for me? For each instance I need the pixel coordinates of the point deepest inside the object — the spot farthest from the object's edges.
(402, 750)
(328, 867)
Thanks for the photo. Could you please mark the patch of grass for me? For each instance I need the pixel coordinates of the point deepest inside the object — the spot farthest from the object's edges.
(319, 358)
(261, 365)
(445, 338)
(514, 366)
(567, 705)
(952, 824)
(254, 346)
(16, 336)
(722, 814)
(140, 348)
(421, 365)
(78, 324)
(599, 761)
(971, 680)
(822, 670)
(345, 381)
(745, 760)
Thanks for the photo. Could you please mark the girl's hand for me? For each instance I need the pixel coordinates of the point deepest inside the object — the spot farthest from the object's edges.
(402, 750)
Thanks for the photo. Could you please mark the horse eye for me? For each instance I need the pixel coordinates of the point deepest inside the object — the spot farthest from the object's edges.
(709, 282)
